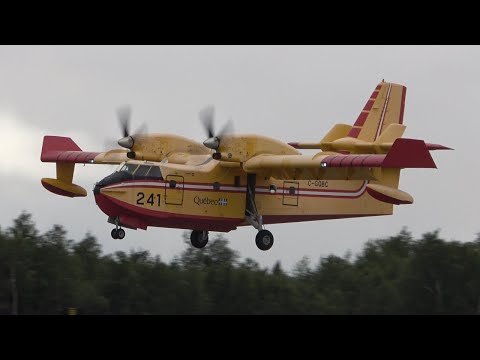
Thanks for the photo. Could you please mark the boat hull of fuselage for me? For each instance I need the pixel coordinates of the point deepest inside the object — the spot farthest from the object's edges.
(200, 207)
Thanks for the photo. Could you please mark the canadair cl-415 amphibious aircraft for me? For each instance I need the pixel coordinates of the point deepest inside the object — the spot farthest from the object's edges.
(234, 180)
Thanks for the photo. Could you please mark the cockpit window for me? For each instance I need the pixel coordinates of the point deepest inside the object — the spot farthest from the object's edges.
(129, 168)
(142, 170)
(155, 173)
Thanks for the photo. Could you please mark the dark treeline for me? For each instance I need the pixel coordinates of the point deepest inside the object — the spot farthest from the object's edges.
(47, 274)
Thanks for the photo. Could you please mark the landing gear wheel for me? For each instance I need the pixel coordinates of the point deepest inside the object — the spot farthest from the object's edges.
(264, 240)
(114, 234)
(199, 238)
(121, 233)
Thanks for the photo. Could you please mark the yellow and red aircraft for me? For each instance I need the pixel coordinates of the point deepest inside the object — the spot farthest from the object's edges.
(235, 180)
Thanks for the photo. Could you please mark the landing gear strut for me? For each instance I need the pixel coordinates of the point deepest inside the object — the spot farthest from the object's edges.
(118, 232)
(264, 238)
(199, 238)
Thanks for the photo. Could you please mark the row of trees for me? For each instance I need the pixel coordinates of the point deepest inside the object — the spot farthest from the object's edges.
(47, 274)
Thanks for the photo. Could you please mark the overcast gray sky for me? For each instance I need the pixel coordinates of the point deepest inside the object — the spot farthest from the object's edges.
(293, 93)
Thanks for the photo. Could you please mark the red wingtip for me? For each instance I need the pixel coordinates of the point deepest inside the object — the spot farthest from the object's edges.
(55, 144)
(293, 144)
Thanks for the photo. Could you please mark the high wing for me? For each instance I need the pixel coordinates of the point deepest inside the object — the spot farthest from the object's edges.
(404, 153)
(59, 149)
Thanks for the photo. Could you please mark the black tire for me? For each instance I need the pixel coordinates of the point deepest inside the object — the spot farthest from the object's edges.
(121, 234)
(264, 240)
(114, 234)
(197, 239)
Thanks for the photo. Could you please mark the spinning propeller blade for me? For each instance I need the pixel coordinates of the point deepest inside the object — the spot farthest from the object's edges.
(124, 114)
(207, 117)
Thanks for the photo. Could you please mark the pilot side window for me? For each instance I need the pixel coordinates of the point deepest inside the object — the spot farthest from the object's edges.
(155, 173)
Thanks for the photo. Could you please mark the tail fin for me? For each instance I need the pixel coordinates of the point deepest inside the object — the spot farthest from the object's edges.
(384, 107)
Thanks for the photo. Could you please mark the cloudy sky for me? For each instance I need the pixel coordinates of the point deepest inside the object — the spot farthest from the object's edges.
(293, 93)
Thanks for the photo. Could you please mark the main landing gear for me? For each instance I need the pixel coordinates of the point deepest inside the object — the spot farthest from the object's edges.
(199, 238)
(264, 238)
(118, 232)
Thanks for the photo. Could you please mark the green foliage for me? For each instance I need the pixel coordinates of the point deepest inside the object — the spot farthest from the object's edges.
(49, 273)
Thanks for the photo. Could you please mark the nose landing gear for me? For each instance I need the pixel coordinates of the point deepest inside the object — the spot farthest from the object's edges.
(118, 233)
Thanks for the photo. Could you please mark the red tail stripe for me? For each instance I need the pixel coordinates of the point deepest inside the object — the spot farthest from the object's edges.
(354, 132)
(361, 119)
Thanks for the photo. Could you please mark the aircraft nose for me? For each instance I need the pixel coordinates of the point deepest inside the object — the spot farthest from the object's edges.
(96, 189)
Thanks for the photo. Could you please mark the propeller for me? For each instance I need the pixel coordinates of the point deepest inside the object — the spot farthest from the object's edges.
(207, 116)
(124, 115)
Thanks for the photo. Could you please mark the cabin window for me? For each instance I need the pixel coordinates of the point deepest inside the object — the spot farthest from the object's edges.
(216, 186)
(291, 190)
(273, 189)
(173, 184)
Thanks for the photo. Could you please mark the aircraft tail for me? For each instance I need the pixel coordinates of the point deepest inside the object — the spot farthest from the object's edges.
(385, 106)
(375, 141)
(381, 122)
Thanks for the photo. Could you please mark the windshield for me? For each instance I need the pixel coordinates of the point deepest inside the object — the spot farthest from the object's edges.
(140, 171)
(129, 168)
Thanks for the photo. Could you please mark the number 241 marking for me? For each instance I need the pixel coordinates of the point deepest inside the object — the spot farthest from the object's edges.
(141, 196)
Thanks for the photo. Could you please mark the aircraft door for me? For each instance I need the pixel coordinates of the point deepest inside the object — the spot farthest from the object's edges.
(174, 190)
(290, 193)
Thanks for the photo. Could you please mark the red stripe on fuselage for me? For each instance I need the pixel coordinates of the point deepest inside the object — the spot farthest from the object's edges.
(137, 184)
